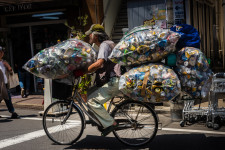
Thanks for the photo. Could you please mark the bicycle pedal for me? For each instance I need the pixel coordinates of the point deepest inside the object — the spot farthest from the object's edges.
(100, 128)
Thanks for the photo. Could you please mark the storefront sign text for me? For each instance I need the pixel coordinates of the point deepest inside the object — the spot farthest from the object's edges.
(19, 7)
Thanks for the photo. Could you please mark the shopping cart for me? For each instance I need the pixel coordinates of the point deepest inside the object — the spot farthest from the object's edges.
(216, 115)
(191, 113)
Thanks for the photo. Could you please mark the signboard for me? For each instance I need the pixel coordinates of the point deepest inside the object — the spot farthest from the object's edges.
(37, 6)
(178, 9)
(15, 8)
(147, 12)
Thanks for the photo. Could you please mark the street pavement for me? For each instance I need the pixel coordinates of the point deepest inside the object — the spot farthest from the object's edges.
(27, 133)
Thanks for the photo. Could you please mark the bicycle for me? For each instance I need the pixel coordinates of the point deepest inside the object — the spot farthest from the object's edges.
(64, 120)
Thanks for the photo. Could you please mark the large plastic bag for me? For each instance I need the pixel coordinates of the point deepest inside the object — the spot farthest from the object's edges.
(152, 82)
(62, 59)
(189, 36)
(143, 44)
(194, 72)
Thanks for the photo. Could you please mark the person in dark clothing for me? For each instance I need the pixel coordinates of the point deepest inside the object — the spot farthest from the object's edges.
(24, 77)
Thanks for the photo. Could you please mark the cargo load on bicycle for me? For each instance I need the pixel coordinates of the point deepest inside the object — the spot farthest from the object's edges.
(61, 59)
(144, 44)
(194, 72)
(152, 82)
(189, 63)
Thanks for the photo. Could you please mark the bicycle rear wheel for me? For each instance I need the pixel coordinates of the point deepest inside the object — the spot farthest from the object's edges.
(138, 123)
(62, 124)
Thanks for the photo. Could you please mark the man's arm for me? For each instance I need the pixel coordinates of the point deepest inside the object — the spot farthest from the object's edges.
(93, 67)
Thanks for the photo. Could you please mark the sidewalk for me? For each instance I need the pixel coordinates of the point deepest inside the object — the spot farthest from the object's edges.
(36, 102)
(31, 102)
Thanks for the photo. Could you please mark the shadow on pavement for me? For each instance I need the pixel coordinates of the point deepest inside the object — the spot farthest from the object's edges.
(161, 142)
(99, 142)
(187, 142)
(25, 116)
(4, 120)
(3, 109)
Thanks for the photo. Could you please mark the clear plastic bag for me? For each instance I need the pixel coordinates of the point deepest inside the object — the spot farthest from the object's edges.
(194, 72)
(62, 59)
(152, 82)
(144, 44)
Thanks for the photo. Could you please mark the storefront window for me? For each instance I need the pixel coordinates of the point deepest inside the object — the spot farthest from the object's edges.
(43, 37)
(59, 15)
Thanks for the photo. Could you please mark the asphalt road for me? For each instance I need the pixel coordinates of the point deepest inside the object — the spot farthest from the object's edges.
(27, 134)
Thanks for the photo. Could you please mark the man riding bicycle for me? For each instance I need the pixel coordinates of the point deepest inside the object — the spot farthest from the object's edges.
(134, 118)
(107, 80)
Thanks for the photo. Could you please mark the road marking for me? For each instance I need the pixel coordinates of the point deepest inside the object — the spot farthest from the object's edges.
(193, 131)
(32, 135)
(36, 134)
(30, 118)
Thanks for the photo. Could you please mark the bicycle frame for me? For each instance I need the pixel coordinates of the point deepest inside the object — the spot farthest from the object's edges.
(83, 106)
(130, 115)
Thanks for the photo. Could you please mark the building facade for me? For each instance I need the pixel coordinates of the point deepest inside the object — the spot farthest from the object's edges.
(28, 26)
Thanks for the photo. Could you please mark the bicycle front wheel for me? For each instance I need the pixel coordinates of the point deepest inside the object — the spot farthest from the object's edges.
(62, 124)
(138, 123)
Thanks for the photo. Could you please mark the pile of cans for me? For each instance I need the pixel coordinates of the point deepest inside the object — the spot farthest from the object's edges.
(143, 44)
(152, 82)
(194, 72)
(61, 60)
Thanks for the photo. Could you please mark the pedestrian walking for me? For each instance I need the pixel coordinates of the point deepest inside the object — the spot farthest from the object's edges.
(5, 70)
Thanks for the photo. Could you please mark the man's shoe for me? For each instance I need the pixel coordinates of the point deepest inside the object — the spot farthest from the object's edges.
(15, 116)
(109, 129)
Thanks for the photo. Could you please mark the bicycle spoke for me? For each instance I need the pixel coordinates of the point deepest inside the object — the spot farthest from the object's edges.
(138, 131)
(61, 127)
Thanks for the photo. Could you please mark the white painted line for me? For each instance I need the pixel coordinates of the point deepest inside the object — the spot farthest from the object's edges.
(40, 133)
(5, 116)
(31, 118)
(193, 131)
(32, 135)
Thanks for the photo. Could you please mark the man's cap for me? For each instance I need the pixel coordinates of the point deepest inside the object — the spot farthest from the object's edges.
(97, 28)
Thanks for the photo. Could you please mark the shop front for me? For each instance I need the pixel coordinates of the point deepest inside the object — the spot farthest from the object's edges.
(28, 28)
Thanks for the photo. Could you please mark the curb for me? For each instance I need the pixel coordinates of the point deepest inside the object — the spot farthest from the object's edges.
(26, 106)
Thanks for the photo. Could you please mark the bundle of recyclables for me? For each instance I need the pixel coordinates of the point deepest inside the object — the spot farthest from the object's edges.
(143, 44)
(61, 59)
(152, 82)
(194, 72)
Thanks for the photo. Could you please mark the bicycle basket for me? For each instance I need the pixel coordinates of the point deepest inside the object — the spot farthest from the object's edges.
(61, 90)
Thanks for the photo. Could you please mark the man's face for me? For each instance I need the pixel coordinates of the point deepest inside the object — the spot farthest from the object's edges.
(92, 38)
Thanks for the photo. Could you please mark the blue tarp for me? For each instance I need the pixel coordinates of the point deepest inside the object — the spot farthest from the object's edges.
(189, 36)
